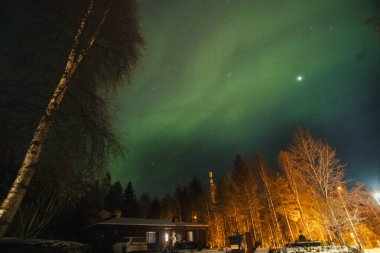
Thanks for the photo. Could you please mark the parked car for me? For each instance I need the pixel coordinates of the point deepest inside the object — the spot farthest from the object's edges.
(130, 244)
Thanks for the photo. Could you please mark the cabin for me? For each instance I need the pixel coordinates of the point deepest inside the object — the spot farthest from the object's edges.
(159, 234)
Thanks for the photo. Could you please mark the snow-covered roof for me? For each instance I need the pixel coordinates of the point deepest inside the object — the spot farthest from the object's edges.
(148, 222)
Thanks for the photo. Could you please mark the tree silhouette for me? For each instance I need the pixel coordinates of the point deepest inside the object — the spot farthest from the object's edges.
(89, 45)
(144, 202)
(130, 205)
(154, 211)
(114, 197)
(197, 199)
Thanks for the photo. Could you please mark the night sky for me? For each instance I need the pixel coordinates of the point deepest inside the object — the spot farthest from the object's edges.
(221, 78)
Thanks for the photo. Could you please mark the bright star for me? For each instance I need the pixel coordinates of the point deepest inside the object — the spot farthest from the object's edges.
(299, 78)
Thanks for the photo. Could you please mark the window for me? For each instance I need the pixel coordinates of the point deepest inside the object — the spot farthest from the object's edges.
(150, 237)
(190, 237)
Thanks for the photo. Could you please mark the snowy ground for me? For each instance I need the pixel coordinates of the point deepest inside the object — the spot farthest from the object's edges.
(376, 250)
(262, 250)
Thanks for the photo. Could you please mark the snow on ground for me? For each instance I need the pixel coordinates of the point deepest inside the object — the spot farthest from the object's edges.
(264, 250)
(375, 250)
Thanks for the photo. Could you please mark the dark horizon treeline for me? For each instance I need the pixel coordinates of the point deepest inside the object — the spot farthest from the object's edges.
(187, 204)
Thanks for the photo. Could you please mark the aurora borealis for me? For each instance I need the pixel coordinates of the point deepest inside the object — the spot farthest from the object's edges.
(221, 78)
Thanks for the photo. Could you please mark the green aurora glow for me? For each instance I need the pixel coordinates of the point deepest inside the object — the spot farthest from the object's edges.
(220, 78)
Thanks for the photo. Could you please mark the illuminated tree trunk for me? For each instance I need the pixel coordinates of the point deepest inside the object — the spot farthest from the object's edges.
(273, 236)
(337, 232)
(249, 205)
(210, 225)
(236, 219)
(227, 226)
(260, 232)
(321, 171)
(31, 160)
(277, 230)
(287, 220)
(324, 222)
(321, 233)
(293, 187)
(218, 232)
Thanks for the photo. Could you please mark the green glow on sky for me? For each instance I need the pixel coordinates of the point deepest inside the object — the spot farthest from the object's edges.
(220, 78)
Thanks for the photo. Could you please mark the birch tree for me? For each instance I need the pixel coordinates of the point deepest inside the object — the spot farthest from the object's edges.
(359, 214)
(321, 170)
(276, 230)
(285, 164)
(93, 51)
(225, 212)
(245, 189)
(284, 202)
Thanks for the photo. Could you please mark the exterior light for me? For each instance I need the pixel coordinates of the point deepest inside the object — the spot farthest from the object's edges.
(377, 197)
(194, 217)
(339, 188)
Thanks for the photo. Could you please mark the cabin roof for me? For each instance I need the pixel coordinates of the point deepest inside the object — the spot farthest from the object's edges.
(147, 223)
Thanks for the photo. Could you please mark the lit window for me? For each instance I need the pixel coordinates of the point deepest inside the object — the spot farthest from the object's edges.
(190, 237)
(166, 237)
(150, 237)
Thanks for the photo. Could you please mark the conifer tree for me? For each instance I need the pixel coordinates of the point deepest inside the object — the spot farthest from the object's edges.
(130, 205)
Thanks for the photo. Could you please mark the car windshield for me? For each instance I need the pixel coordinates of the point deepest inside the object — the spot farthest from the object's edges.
(138, 239)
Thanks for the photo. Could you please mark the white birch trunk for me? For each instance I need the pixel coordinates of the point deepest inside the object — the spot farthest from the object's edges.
(293, 187)
(287, 220)
(277, 230)
(12, 202)
(324, 221)
(248, 204)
